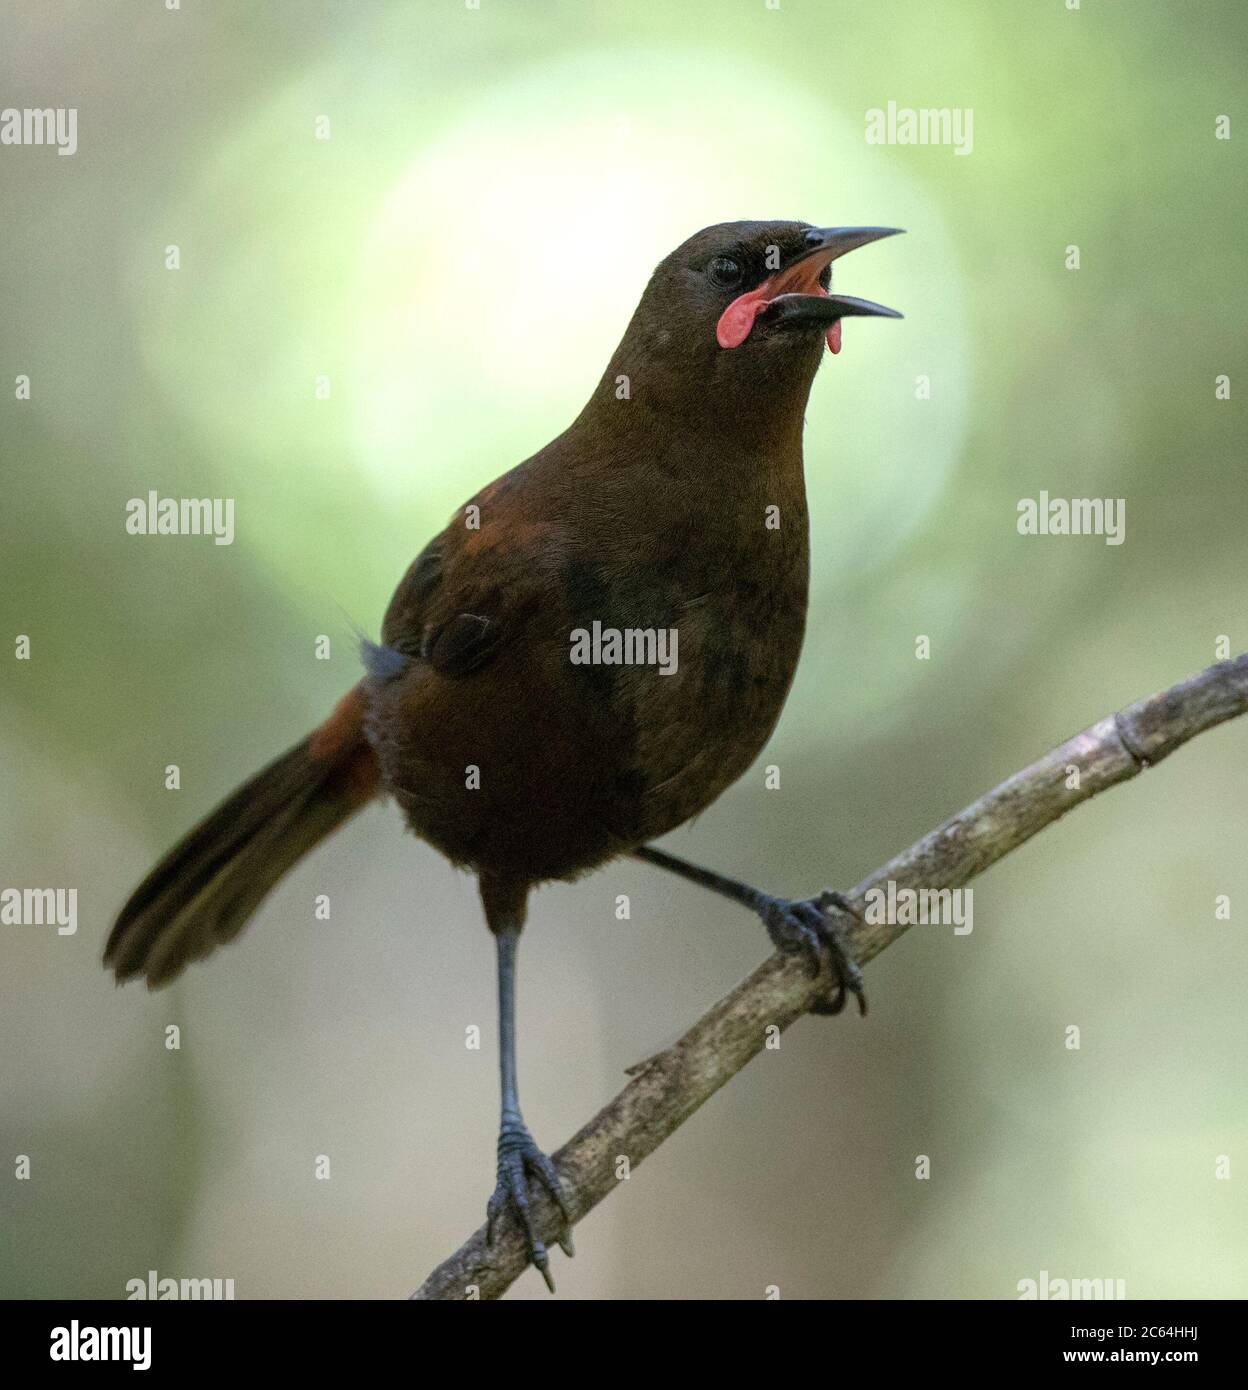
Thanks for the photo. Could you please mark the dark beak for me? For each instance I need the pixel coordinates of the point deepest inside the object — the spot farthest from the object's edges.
(821, 310)
(828, 243)
(796, 299)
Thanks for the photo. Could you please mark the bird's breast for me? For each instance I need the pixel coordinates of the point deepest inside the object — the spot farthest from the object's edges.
(739, 635)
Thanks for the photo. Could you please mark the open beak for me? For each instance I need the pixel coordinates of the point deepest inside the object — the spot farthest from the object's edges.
(794, 298)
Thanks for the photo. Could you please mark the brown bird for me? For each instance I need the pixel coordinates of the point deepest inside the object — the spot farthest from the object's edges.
(587, 655)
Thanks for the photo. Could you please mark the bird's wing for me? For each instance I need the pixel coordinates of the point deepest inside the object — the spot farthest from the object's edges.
(472, 588)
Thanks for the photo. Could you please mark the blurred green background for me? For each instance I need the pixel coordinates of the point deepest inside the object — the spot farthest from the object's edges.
(458, 259)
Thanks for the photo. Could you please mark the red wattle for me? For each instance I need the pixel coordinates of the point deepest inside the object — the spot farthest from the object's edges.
(834, 337)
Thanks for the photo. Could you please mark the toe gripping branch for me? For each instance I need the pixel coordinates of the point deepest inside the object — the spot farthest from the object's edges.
(520, 1164)
(808, 927)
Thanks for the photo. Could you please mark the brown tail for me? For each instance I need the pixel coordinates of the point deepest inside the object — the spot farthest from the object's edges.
(204, 890)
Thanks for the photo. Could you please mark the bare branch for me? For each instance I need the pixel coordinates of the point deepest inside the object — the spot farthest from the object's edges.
(669, 1087)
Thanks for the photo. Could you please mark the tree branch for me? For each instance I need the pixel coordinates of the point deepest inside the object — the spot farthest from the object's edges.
(672, 1085)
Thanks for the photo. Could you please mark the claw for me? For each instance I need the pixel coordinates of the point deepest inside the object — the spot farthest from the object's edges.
(807, 927)
(520, 1161)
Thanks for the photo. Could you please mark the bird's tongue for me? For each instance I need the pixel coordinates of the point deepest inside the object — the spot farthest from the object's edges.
(737, 320)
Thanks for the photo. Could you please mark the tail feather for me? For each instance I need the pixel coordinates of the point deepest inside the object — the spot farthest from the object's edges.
(204, 890)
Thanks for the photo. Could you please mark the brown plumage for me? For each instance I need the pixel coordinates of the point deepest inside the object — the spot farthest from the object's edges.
(674, 501)
(204, 890)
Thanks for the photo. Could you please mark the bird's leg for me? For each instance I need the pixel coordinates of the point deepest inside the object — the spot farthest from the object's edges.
(520, 1161)
(804, 926)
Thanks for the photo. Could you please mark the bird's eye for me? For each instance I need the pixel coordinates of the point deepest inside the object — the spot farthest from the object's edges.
(724, 272)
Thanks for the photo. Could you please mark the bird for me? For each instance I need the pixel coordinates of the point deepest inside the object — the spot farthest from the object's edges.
(595, 647)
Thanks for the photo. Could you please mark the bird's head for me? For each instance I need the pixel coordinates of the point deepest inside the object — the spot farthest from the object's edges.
(741, 311)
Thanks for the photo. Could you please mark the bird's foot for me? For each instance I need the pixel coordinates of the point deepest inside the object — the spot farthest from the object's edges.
(520, 1164)
(808, 927)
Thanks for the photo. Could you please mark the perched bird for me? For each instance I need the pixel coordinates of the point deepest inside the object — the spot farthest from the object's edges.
(673, 507)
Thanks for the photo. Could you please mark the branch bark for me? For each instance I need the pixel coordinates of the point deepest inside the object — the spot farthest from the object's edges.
(670, 1086)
